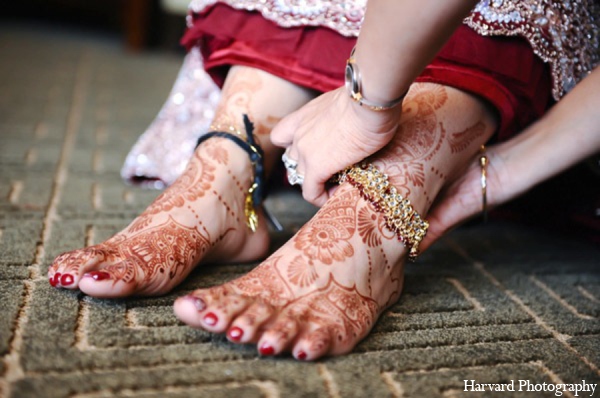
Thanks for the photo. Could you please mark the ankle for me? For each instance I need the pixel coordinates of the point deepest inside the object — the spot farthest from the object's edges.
(229, 160)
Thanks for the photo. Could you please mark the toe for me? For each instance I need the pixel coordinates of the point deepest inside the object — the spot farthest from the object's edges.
(278, 336)
(113, 281)
(245, 327)
(68, 268)
(312, 345)
(211, 309)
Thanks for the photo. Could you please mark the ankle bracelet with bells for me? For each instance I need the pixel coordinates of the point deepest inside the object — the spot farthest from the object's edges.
(255, 194)
(400, 216)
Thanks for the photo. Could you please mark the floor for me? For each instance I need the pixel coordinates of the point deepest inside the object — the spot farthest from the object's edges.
(493, 303)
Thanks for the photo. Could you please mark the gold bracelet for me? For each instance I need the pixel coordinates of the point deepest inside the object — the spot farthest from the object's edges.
(400, 217)
(483, 162)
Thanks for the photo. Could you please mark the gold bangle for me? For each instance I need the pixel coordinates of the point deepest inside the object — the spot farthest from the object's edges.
(483, 162)
(400, 217)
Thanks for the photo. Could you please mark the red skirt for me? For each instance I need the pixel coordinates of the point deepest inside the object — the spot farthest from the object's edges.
(502, 70)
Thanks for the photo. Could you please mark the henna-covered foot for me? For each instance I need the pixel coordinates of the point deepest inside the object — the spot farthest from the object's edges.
(201, 216)
(318, 294)
(323, 291)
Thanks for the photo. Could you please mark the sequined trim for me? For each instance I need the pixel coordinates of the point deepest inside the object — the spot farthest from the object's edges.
(562, 33)
(344, 17)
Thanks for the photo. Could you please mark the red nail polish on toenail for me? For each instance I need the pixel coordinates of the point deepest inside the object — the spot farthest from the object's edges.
(56, 278)
(97, 275)
(52, 282)
(210, 319)
(266, 349)
(301, 355)
(66, 279)
(235, 333)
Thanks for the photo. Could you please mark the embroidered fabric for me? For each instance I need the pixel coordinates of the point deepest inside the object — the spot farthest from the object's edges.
(161, 154)
(562, 33)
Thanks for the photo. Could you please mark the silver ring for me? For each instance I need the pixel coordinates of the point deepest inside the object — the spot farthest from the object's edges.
(294, 178)
(289, 164)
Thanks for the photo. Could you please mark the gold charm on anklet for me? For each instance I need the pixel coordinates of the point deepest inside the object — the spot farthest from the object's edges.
(251, 216)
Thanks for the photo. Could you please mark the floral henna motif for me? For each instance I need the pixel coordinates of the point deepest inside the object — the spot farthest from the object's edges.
(72, 261)
(169, 248)
(371, 227)
(461, 140)
(265, 282)
(419, 138)
(219, 154)
(301, 274)
(326, 238)
(190, 186)
(348, 313)
(236, 98)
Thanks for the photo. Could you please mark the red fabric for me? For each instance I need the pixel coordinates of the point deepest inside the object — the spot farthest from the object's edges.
(307, 56)
(502, 70)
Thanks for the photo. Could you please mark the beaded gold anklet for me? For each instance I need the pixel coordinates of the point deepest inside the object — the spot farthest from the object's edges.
(400, 216)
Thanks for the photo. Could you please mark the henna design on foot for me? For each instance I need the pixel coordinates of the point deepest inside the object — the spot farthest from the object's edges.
(322, 291)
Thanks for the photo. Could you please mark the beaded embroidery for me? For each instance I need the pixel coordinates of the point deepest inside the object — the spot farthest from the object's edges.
(562, 33)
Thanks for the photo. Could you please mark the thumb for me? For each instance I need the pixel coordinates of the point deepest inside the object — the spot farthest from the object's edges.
(282, 135)
(460, 202)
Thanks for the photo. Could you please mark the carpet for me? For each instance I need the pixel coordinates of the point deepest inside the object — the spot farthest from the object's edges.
(495, 303)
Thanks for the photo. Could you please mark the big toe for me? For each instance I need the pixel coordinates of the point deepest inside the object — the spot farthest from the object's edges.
(113, 281)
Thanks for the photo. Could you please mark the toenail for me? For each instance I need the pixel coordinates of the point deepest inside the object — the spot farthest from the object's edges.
(235, 333)
(52, 281)
(66, 279)
(301, 355)
(198, 302)
(97, 275)
(56, 278)
(266, 349)
(210, 319)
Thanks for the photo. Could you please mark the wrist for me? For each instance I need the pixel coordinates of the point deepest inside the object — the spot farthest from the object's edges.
(355, 89)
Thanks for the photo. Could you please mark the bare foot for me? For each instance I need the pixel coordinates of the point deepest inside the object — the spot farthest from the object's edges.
(200, 217)
(319, 293)
(323, 291)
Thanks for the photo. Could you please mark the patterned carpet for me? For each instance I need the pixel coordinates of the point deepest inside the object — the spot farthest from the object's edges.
(493, 303)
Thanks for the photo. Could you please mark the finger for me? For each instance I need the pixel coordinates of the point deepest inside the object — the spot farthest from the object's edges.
(314, 191)
(282, 135)
(459, 203)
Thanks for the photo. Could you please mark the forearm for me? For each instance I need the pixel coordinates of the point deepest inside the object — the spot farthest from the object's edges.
(569, 133)
(399, 38)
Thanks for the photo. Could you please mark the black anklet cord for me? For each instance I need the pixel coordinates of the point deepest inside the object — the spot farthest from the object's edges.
(252, 149)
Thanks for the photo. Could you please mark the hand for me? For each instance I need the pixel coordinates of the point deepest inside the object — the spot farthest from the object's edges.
(463, 198)
(329, 134)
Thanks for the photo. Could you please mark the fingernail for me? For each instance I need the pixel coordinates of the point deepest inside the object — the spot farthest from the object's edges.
(210, 319)
(66, 279)
(301, 355)
(97, 275)
(235, 333)
(266, 349)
